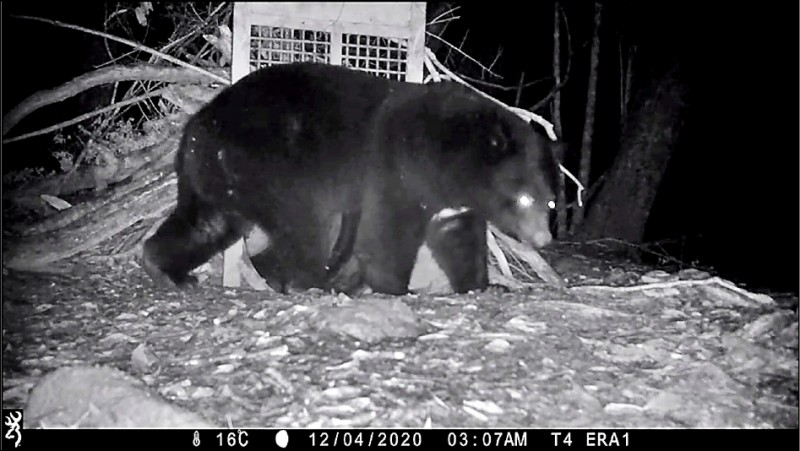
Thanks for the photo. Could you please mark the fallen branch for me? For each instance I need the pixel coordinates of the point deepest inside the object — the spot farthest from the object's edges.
(531, 256)
(35, 253)
(502, 261)
(84, 117)
(132, 165)
(99, 77)
(758, 298)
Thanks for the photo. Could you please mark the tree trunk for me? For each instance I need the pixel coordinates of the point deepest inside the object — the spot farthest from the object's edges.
(623, 204)
(555, 108)
(588, 122)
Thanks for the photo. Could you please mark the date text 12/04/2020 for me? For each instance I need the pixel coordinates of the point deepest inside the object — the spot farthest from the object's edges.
(453, 439)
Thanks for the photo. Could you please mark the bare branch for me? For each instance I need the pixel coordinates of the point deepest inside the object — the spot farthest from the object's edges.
(449, 11)
(520, 86)
(497, 57)
(101, 76)
(449, 19)
(196, 30)
(172, 43)
(83, 117)
(491, 85)
(130, 43)
(464, 54)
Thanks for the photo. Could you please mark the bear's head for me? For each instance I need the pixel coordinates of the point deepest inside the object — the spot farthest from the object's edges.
(455, 148)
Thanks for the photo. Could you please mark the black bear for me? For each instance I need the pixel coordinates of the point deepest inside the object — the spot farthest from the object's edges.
(402, 192)
(448, 147)
(294, 147)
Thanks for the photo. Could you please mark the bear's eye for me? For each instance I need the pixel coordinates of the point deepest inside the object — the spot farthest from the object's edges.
(551, 204)
(524, 201)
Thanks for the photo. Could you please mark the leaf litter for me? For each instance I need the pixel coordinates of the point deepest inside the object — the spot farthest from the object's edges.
(676, 351)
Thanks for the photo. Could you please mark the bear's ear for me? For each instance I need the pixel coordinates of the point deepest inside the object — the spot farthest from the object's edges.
(496, 144)
(497, 140)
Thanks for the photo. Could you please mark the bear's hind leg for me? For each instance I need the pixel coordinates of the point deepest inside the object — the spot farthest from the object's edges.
(308, 251)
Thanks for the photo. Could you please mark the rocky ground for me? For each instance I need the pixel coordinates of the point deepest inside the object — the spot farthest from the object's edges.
(622, 347)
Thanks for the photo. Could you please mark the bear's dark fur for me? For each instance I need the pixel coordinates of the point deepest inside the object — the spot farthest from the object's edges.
(293, 147)
(285, 149)
(342, 234)
(447, 147)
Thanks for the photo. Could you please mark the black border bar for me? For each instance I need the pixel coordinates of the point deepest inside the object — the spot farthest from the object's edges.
(452, 438)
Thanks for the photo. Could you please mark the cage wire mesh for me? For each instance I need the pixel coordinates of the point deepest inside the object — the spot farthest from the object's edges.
(384, 39)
